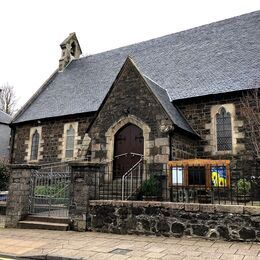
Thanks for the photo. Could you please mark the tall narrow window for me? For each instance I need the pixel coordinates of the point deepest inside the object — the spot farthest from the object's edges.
(70, 142)
(224, 130)
(35, 145)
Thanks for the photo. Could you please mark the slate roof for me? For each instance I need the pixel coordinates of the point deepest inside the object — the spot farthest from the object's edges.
(5, 118)
(211, 59)
(175, 115)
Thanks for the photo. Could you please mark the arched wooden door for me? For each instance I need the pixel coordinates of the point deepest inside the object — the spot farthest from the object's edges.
(128, 149)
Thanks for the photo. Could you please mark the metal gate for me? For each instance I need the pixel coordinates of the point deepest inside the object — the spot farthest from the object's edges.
(50, 191)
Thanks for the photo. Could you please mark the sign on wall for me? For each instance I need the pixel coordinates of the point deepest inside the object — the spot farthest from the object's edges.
(219, 176)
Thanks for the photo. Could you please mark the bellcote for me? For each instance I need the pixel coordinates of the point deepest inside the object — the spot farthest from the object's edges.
(70, 49)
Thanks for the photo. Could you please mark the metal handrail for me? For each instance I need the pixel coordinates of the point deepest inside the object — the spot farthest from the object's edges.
(120, 155)
(124, 154)
(129, 172)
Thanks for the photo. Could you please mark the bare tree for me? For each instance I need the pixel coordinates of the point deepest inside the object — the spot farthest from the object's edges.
(7, 99)
(251, 112)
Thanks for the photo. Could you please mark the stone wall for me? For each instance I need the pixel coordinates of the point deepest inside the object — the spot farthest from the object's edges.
(83, 180)
(52, 133)
(226, 222)
(183, 147)
(17, 206)
(131, 101)
(198, 113)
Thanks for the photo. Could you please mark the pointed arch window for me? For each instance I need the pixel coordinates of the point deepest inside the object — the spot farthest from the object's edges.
(70, 136)
(223, 130)
(35, 145)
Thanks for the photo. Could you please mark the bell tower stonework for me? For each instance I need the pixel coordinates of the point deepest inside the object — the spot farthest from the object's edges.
(70, 50)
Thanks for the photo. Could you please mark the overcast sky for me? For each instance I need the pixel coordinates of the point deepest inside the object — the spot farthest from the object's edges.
(31, 30)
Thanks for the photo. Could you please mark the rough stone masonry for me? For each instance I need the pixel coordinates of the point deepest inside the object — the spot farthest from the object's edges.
(228, 222)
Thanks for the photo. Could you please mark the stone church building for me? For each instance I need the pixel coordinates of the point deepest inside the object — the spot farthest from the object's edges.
(170, 98)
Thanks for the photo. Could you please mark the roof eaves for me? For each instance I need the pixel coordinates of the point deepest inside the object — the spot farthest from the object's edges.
(35, 95)
(5, 119)
(191, 131)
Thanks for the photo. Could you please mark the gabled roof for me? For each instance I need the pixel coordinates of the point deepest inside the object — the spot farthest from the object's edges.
(211, 59)
(159, 93)
(173, 112)
(5, 118)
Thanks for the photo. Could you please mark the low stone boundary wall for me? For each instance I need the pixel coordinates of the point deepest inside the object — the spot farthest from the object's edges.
(229, 222)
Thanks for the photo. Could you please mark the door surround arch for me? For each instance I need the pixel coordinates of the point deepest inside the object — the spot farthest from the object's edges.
(110, 137)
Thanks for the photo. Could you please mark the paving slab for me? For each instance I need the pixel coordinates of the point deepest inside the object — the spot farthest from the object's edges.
(91, 245)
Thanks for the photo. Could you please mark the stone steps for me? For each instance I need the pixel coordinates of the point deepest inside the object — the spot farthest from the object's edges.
(43, 225)
(44, 222)
(48, 219)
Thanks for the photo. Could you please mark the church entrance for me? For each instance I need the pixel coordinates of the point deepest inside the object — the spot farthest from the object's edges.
(128, 149)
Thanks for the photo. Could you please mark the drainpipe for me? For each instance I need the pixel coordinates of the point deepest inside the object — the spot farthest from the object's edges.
(12, 144)
(170, 144)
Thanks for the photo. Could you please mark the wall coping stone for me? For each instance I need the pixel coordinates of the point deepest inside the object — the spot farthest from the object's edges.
(237, 209)
(251, 210)
(189, 207)
(25, 166)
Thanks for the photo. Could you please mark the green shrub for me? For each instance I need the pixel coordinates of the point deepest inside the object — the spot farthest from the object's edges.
(150, 187)
(58, 191)
(243, 187)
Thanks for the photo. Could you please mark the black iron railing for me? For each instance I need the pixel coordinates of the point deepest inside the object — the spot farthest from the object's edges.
(192, 184)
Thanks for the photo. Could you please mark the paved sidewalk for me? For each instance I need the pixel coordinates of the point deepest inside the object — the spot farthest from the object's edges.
(88, 245)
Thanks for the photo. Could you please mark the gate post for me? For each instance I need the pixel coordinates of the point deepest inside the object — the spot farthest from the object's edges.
(17, 204)
(83, 188)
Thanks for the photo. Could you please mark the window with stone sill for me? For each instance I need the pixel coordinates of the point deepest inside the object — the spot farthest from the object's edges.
(70, 136)
(223, 130)
(35, 146)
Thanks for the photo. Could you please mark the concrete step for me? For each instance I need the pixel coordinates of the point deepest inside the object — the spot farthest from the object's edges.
(48, 219)
(43, 225)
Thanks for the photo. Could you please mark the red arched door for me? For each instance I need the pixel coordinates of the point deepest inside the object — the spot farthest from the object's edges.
(128, 149)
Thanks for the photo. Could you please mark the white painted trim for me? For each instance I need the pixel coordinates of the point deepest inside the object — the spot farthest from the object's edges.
(29, 143)
(64, 139)
(212, 138)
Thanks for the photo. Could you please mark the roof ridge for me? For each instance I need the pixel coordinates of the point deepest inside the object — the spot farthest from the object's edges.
(202, 61)
(171, 34)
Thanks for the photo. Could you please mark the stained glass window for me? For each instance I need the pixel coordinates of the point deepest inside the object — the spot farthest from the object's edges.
(35, 145)
(224, 130)
(218, 176)
(70, 142)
